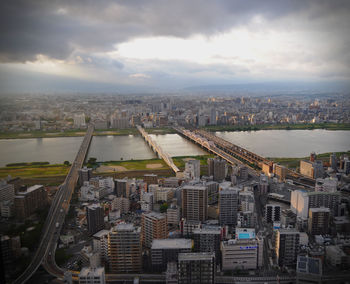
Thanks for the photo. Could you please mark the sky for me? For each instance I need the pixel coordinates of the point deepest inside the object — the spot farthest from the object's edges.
(163, 45)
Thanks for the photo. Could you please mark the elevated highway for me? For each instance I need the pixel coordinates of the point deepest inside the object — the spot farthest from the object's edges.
(45, 253)
(235, 154)
(210, 146)
(157, 149)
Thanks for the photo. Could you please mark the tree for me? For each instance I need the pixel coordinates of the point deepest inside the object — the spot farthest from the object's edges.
(163, 208)
(66, 163)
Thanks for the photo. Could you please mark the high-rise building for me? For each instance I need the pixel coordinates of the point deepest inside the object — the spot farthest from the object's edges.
(154, 226)
(84, 175)
(213, 120)
(246, 201)
(318, 222)
(263, 184)
(272, 213)
(122, 204)
(333, 161)
(79, 120)
(100, 245)
(217, 168)
(280, 172)
(302, 200)
(195, 202)
(312, 169)
(95, 218)
(122, 188)
(30, 200)
(7, 191)
(90, 275)
(173, 215)
(243, 173)
(150, 179)
(192, 169)
(207, 240)
(286, 247)
(326, 184)
(198, 268)
(228, 206)
(125, 251)
(147, 201)
(167, 250)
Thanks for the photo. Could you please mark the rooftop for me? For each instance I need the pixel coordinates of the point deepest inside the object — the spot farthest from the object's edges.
(196, 256)
(172, 244)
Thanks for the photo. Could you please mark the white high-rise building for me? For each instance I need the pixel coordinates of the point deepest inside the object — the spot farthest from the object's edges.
(192, 169)
(79, 120)
(300, 203)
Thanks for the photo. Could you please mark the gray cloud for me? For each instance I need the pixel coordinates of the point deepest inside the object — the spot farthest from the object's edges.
(59, 28)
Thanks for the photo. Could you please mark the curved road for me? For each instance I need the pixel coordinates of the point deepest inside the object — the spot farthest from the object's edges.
(59, 208)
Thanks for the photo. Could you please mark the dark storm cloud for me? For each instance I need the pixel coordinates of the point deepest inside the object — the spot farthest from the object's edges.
(58, 28)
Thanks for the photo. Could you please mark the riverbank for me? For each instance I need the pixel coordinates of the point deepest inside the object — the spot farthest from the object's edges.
(81, 132)
(53, 174)
(304, 126)
(169, 130)
(294, 163)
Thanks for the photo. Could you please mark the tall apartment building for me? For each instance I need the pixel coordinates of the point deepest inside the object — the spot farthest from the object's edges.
(121, 188)
(286, 247)
(272, 213)
(173, 215)
(195, 202)
(30, 200)
(207, 240)
(150, 179)
(95, 218)
(326, 184)
(333, 161)
(196, 268)
(280, 172)
(147, 201)
(246, 201)
(125, 250)
(84, 175)
(192, 169)
(243, 173)
(79, 120)
(263, 184)
(167, 250)
(318, 222)
(217, 168)
(154, 226)
(312, 169)
(100, 245)
(228, 206)
(122, 204)
(302, 200)
(7, 191)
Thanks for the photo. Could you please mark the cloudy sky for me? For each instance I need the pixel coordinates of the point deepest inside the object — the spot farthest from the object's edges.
(105, 45)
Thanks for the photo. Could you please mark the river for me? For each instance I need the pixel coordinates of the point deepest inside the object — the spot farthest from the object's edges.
(268, 143)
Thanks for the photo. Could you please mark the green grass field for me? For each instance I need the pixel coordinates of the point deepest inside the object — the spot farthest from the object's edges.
(34, 171)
